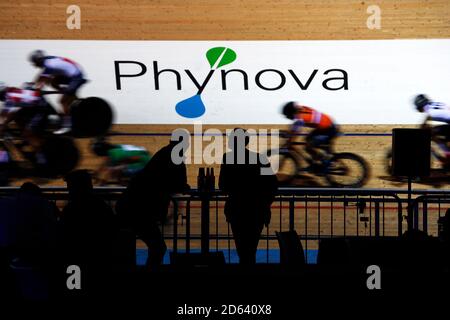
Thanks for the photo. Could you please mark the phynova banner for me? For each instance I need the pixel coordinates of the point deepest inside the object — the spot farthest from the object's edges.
(194, 107)
(246, 82)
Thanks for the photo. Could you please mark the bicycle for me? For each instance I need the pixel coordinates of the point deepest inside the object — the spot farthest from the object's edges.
(90, 117)
(338, 169)
(19, 161)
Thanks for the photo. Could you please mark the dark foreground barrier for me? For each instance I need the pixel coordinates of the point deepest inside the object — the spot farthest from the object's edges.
(351, 229)
(315, 214)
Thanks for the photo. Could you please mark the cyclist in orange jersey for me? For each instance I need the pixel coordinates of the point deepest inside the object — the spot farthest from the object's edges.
(324, 129)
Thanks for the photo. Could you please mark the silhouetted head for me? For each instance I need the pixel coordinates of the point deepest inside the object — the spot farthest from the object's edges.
(179, 135)
(79, 182)
(101, 146)
(289, 110)
(420, 101)
(179, 145)
(31, 189)
(239, 137)
(37, 58)
(3, 89)
(174, 141)
(415, 235)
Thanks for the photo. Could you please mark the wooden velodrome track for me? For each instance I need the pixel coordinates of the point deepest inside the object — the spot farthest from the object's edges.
(231, 20)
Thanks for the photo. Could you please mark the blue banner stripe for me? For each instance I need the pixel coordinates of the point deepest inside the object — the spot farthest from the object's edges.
(168, 134)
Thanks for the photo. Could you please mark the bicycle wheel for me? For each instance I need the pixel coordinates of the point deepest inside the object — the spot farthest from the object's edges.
(283, 164)
(347, 170)
(61, 154)
(91, 117)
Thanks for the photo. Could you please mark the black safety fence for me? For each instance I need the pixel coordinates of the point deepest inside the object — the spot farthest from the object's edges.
(196, 220)
(428, 211)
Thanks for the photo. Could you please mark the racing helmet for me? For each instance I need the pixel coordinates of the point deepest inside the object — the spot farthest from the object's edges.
(37, 57)
(289, 110)
(100, 147)
(420, 101)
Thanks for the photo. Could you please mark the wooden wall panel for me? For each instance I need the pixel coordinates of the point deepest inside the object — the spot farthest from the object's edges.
(224, 20)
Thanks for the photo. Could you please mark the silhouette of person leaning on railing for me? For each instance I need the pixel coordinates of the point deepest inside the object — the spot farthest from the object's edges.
(250, 184)
(145, 202)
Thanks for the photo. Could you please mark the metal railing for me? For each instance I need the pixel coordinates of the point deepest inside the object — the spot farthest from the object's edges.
(197, 222)
(430, 207)
(313, 213)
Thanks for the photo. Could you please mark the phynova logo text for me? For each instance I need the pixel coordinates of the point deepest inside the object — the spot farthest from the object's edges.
(266, 79)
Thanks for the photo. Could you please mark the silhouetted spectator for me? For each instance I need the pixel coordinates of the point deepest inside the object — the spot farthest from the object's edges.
(251, 188)
(30, 188)
(88, 226)
(36, 221)
(415, 235)
(28, 233)
(145, 203)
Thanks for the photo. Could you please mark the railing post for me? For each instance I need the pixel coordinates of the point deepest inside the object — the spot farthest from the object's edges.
(205, 198)
(411, 213)
(377, 219)
(415, 210)
(425, 216)
(291, 214)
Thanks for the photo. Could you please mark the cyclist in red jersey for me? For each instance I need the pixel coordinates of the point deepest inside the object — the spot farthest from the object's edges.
(324, 129)
(29, 111)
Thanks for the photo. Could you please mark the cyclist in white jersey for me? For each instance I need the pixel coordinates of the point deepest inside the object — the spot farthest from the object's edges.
(439, 112)
(64, 75)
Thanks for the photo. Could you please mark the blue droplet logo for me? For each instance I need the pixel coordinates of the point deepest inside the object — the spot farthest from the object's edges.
(192, 107)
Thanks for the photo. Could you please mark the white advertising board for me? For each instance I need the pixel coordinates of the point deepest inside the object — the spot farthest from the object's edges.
(356, 82)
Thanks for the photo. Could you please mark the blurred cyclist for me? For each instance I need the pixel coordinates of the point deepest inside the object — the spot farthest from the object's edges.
(440, 112)
(27, 109)
(64, 75)
(323, 127)
(121, 160)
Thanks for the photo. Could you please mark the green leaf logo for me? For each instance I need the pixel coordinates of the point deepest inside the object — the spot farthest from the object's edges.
(220, 56)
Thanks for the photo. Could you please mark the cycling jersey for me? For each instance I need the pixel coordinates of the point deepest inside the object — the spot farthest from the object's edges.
(61, 67)
(28, 108)
(134, 157)
(438, 111)
(306, 116)
(16, 98)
